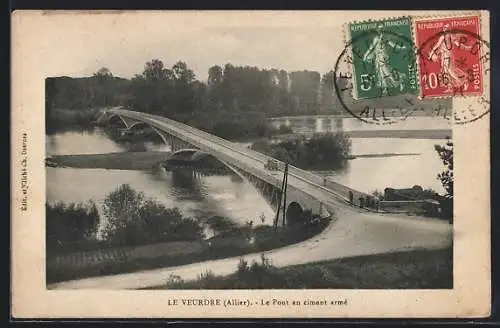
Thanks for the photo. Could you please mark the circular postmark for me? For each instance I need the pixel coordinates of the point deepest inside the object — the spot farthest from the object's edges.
(396, 81)
(455, 63)
(376, 77)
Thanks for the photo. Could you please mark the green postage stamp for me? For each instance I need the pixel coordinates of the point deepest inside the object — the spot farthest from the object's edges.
(383, 58)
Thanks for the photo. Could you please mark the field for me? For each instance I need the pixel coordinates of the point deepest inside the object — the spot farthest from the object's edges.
(418, 269)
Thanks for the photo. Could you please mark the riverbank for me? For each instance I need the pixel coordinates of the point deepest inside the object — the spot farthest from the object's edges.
(119, 260)
(382, 155)
(145, 160)
(418, 269)
(406, 134)
(444, 112)
(401, 134)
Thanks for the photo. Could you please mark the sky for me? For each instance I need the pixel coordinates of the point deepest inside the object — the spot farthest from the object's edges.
(68, 43)
(201, 46)
(288, 48)
(76, 44)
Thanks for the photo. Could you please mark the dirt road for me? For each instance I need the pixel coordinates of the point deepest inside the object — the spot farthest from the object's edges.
(353, 233)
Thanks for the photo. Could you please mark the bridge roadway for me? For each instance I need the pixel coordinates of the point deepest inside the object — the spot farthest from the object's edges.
(247, 159)
(353, 232)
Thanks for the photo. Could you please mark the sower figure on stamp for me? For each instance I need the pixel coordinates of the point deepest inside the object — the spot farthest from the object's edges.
(386, 76)
(452, 75)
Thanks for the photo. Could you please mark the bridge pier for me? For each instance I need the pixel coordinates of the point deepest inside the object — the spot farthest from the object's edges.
(106, 117)
(177, 144)
(257, 175)
(274, 198)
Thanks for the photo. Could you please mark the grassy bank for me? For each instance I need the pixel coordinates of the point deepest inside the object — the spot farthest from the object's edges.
(410, 134)
(419, 269)
(401, 134)
(384, 155)
(328, 114)
(227, 245)
(141, 234)
(116, 161)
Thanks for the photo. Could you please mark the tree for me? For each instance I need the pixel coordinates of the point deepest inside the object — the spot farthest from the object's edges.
(182, 99)
(122, 210)
(157, 221)
(133, 219)
(446, 154)
(67, 225)
(103, 74)
(154, 70)
(151, 90)
(103, 92)
(182, 74)
(214, 76)
(305, 88)
(329, 102)
(330, 150)
(187, 229)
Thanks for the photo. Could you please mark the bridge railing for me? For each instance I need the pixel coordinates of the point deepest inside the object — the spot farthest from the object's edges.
(329, 184)
(219, 154)
(320, 182)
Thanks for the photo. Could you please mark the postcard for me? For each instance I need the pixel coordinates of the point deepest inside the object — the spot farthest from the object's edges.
(250, 164)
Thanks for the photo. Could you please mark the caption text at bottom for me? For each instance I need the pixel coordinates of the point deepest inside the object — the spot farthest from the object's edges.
(233, 302)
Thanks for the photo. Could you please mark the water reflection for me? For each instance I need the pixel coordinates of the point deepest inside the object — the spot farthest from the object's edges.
(222, 195)
(202, 196)
(334, 123)
(368, 174)
(81, 142)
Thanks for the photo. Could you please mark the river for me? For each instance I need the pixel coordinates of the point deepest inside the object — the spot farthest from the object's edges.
(215, 195)
(206, 196)
(368, 174)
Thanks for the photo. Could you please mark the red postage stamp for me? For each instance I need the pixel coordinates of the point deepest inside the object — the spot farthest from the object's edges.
(449, 56)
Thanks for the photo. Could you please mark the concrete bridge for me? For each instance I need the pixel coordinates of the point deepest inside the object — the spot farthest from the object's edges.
(310, 191)
(355, 231)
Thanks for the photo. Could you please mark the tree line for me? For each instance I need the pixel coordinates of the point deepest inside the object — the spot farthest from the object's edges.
(234, 101)
(175, 89)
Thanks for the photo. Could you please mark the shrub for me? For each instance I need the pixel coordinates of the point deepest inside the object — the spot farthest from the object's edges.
(220, 224)
(133, 219)
(63, 119)
(69, 225)
(321, 151)
(284, 129)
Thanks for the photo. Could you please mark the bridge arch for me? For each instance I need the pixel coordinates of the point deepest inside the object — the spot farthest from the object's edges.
(108, 116)
(186, 153)
(195, 155)
(138, 123)
(294, 213)
(162, 136)
(201, 155)
(114, 116)
(189, 137)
